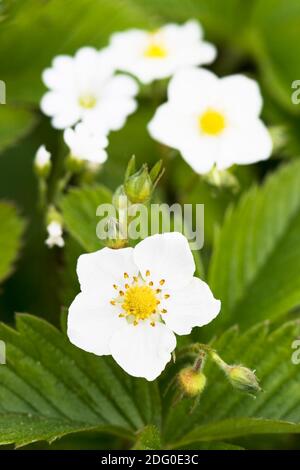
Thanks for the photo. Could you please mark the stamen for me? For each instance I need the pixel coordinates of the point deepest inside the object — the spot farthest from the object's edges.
(121, 292)
(164, 310)
(126, 276)
(115, 286)
(113, 302)
(147, 273)
(166, 296)
(126, 286)
(151, 283)
(162, 281)
(152, 323)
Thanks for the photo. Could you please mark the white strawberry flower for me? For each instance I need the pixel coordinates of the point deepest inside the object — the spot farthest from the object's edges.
(212, 121)
(134, 300)
(86, 144)
(156, 55)
(84, 87)
(55, 233)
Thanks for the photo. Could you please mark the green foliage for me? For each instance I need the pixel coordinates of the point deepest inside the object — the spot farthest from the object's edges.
(12, 227)
(50, 388)
(148, 439)
(79, 213)
(14, 124)
(255, 264)
(274, 36)
(88, 23)
(224, 413)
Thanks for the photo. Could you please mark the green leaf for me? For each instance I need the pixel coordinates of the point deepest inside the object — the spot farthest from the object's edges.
(232, 428)
(12, 227)
(148, 439)
(50, 388)
(225, 413)
(79, 214)
(14, 124)
(88, 23)
(275, 29)
(255, 264)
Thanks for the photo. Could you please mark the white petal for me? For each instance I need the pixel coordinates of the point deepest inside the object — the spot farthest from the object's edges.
(61, 75)
(121, 85)
(248, 143)
(202, 154)
(172, 127)
(193, 88)
(167, 256)
(98, 271)
(111, 113)
(143, 350)
(194, 305)
(91, 326)
(241, 95)
(62, 107)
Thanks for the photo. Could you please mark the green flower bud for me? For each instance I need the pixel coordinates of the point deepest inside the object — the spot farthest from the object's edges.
(222, 179)
(243, 379)
(115, 235)
(138, 187)
(74, 164)
(191, 382)
(53, 216)
(120, 200)
(240, 377)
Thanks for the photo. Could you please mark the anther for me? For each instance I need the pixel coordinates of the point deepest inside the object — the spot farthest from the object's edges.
(164, 310)
(162, 281)
(147, 273)
(121, 292)
(126, 276)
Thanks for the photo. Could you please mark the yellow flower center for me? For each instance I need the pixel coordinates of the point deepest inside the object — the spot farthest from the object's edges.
(87, 101)
(139, 299)
(212, 122)
(155, 49)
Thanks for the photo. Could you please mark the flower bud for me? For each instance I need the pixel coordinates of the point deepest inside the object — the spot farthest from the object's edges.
(191, 382)
(240, 377)
(222, 179)
(243, 379)
(120, 200)
(138, 187)
(42, 162)
(115, 236)
(54, 229)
